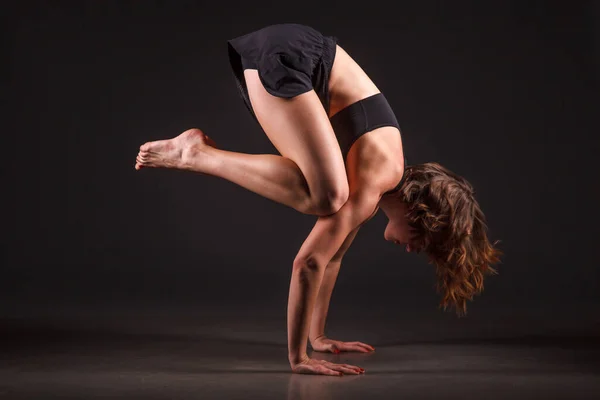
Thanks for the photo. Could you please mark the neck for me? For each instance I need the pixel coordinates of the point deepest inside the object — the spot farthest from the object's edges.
(390, 205)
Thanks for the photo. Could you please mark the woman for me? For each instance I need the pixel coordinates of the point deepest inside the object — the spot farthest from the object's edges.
(341, 159)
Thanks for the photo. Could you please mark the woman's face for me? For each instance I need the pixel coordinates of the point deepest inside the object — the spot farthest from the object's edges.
(397, 230)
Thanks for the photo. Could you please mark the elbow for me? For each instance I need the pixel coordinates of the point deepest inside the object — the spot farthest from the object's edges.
(307, 265)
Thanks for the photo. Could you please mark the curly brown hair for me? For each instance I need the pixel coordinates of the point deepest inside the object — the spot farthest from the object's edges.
(451, 228)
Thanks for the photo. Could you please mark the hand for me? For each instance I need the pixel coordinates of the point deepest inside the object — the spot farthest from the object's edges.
(335, 346)
(322, 367)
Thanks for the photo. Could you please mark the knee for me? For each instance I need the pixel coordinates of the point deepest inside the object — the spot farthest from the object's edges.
(331, 203)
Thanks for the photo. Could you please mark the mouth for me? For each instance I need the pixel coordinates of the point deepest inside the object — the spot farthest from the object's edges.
(407, 247)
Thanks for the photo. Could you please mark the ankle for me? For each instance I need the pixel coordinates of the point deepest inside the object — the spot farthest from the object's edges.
(198, 158)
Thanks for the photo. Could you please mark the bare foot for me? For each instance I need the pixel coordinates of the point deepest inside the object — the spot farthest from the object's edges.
(177, 152)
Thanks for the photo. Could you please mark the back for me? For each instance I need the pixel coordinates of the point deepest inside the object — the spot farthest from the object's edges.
(348, 82)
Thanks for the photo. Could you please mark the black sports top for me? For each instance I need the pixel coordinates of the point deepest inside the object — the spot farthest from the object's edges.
(363, 116)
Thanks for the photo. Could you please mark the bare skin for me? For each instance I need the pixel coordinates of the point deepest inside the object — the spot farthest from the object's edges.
(312, 177)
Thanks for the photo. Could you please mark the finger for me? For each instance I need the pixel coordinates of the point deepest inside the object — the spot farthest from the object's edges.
(355, 347)
(350, 371)
(353, 366)
(361, 343)
(321, 369)
(368, 346)
(341, 368)
(330, 364)
(355, 370)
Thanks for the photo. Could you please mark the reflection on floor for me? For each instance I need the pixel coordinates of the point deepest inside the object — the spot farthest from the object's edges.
(243, 359)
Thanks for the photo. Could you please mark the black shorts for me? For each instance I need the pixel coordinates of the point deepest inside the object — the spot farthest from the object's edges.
(291, 59)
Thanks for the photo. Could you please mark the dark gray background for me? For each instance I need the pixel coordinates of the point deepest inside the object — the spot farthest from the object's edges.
(502, 93)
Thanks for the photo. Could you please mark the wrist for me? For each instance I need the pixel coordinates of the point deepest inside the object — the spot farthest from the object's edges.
(316, 338)
(296, 359)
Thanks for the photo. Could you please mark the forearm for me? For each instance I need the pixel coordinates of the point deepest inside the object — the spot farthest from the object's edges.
(304, 287)
(319, 316)
(327, 242)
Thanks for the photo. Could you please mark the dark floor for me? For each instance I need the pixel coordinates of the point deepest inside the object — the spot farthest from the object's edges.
(242, 357)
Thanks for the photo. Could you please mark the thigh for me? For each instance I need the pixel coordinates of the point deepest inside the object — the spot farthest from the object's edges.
(300, 130)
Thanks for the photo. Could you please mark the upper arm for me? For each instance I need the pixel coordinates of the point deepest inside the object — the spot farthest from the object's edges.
(330, 232)
(337, 257)
(350, 238)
